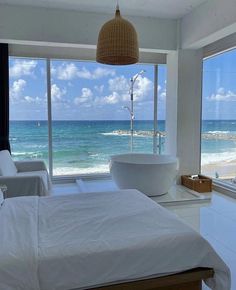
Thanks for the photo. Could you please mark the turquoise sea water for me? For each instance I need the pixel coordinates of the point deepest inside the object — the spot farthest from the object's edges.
(218, 141)
(78, 146)
(85, 146)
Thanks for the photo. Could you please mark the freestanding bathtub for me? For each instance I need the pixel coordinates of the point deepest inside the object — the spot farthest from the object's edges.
(150, 173)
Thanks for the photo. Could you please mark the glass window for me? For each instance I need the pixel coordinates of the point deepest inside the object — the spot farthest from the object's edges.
(218, 146)
(161, 107)
(28, 109)
(92, 111)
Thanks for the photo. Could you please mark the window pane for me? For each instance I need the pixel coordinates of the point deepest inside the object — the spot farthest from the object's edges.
(28, 109)
(219, 116)
(91, 114)
(161, 105)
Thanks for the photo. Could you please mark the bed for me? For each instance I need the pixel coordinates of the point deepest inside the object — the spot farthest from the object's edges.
(106, 240)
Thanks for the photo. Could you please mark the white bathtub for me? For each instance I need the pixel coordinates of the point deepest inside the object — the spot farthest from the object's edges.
(151, 174)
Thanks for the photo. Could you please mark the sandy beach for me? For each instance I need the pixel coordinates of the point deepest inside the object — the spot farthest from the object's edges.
(224, 169)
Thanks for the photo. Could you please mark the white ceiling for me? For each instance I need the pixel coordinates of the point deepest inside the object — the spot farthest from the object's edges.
(154, 8)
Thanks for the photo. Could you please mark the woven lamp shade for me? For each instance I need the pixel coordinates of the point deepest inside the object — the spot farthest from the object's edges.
(117, 42)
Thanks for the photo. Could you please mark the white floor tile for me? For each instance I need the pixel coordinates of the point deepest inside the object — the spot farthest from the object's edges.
(185, 211)
(219, 227)
(216, 221)
(222, 203)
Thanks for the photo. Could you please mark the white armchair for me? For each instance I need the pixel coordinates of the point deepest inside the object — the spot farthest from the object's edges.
(23, 177)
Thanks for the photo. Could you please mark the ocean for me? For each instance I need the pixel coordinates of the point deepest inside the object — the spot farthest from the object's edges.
(81, 147)
(218, 142)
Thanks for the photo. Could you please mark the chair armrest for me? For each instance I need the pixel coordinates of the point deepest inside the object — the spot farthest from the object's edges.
(23, 186)
(30, 165)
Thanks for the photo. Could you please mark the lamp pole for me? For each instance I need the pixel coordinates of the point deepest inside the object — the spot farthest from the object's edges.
(131, 109)
(132, 81)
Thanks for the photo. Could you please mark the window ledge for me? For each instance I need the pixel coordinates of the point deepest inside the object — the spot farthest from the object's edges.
(225, 188)
(72, 178)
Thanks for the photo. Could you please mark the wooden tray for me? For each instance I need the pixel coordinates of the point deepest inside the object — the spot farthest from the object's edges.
(200, 183)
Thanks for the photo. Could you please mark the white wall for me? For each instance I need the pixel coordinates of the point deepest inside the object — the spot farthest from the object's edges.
(74, 53)
(41, 26)
(183, 120)
(209, 22)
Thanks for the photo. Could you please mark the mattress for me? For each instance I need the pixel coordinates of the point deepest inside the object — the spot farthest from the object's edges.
(93, 239)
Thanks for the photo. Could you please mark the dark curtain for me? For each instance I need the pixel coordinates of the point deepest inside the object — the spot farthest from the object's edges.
(4, 98)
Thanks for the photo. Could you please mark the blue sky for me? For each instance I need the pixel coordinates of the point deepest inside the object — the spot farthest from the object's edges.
(82, 90)
(219, 87)
(91, 91)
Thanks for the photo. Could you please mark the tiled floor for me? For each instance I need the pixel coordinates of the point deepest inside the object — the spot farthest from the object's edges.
(215, 220)
(177, 194)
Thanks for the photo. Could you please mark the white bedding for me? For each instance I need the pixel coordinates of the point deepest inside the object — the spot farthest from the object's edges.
(79, 241)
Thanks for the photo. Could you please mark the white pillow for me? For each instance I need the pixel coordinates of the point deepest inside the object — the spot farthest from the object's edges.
(1, 197)
(7, 166)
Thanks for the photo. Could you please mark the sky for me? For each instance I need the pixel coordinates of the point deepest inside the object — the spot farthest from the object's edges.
(219, 87)
(91, 91)
(82, 90)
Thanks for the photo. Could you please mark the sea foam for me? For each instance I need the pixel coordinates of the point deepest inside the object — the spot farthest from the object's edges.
(212, 158)
(104, 168)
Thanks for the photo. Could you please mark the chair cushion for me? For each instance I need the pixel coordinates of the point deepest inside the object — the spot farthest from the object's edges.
(43, 174)
(7, 166)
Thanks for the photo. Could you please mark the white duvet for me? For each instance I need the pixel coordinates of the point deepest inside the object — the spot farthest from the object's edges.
(79, 241)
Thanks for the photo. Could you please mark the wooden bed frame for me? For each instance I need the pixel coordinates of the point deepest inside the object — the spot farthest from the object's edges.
(189, 280)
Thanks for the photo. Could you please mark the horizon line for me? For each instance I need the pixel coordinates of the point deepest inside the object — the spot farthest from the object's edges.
(40, 120)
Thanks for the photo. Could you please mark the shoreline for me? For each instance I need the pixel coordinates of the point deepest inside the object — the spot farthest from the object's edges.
(225, 169)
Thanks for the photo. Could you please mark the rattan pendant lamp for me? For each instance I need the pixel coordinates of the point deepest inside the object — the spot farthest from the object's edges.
(117, 42)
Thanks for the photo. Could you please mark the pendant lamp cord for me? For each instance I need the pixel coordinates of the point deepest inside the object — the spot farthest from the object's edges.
(117, 5)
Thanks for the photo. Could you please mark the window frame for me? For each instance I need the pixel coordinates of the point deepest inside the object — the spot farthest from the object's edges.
(87, 176)
(210, 52)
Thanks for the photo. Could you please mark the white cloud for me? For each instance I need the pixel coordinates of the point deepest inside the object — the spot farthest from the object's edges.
(65, 71)
(119, 87)
(161, 93)
(99, 73)
(31, 100)
(119, 84)
(222, 95)
(84, 73)
(99, 89)
(17, 93)
(85, 97)
(69, 71)
(17, 89)
(57, 93)
(22, 68)
(143, 89)
(112, 99)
